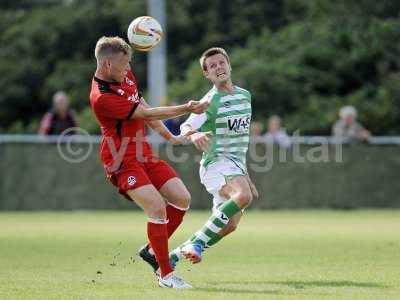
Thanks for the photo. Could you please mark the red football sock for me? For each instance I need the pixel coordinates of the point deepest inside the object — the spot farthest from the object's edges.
(175, 217)
(158, 237)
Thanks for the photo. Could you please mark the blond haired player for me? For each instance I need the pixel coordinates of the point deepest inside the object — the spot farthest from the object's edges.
(127, 156)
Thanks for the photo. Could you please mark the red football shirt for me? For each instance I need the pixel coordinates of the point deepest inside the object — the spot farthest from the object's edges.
(123, 138)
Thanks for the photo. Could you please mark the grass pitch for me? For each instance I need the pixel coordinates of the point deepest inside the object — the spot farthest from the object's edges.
(273, 255)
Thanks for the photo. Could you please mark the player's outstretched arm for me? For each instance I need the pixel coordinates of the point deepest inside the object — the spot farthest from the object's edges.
(163, 130)
(167, 112)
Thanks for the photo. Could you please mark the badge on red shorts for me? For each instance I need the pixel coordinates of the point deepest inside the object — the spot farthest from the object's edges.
(131, 180)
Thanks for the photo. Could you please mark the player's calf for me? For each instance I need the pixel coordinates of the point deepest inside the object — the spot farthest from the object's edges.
(229, 228)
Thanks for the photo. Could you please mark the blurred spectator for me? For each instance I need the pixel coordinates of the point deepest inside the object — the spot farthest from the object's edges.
(174, 124)
(348, 127)
(276, 134)
(256, 128)
(59, 118)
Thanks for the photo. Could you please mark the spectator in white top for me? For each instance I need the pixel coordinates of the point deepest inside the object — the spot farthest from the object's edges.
(276, 134)
(347, 127)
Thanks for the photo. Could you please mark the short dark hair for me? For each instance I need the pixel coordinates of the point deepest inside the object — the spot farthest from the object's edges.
(210, 52)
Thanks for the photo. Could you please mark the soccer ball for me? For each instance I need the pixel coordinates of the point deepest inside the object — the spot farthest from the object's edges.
(144, 33)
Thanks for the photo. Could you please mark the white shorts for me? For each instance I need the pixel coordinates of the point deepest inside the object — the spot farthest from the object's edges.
(214, 177)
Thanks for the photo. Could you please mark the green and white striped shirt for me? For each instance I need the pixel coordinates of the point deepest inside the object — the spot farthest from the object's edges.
(228, 119)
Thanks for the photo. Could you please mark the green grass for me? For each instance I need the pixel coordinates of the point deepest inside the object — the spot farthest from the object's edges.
(273, 255)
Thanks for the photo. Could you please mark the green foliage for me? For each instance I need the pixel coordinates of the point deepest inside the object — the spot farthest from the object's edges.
(308, 69)
(301, 59)
(198, 25)
(47, 48)
(193, 87)
(86, 121)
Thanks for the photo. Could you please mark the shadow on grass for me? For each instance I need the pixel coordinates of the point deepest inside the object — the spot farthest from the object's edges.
(246, 291)
(298, 284)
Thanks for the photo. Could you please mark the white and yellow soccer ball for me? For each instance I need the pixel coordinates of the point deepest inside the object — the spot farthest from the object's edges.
(144, 33)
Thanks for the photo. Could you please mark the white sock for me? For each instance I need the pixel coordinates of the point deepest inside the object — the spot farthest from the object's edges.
(151, 251)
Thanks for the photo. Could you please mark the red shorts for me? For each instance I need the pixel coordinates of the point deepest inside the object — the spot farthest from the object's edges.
(134, 174)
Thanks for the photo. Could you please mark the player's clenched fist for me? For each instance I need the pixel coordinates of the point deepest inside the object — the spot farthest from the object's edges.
(196, 107)
(200, 140)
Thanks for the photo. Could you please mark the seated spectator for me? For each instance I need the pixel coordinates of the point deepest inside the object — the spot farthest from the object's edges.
(59, 118)
(276, 134)
(348, 127)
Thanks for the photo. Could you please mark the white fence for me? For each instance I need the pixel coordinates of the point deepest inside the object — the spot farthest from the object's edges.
(95, 139)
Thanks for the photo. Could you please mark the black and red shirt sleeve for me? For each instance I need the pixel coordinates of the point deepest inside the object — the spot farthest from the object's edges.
(114, 102)
(115, 106)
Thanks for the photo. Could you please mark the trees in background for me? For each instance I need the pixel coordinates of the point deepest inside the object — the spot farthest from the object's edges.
(301, 59)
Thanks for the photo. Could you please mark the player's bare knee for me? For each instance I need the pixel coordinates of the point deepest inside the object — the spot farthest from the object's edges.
(181, 200)
(157, 210)
(186, 199)
(244, 198)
